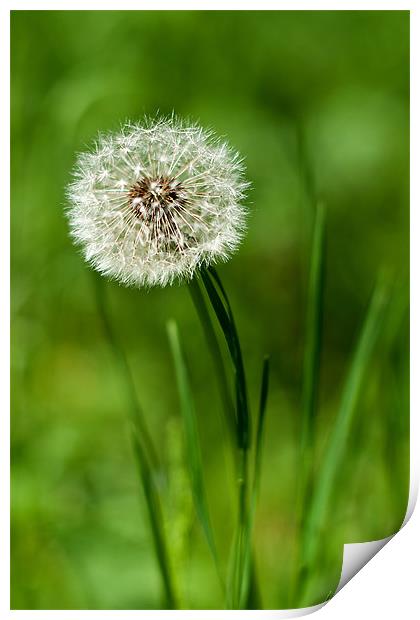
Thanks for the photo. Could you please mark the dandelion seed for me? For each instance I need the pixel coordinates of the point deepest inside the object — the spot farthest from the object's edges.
(156, 201)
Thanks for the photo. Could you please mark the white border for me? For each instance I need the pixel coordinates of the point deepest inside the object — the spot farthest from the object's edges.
(133, 5)
(387, 586)
(5, 317)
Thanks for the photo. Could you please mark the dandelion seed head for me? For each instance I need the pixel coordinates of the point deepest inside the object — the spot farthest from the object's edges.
(156, 201)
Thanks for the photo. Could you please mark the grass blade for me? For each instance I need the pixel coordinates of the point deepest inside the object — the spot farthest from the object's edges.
(311, 379)
(213, 344)
(193, 450)
(312, 364)
(260, 425)
(223, 311)
(246, 590)
(335, 452)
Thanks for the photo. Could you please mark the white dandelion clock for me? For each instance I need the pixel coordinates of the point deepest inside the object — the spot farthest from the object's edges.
(156, 201)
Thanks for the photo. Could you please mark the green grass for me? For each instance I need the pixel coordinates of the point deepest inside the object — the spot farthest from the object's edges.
(315, 490)
(223, 311)
(192, 444)
(317, 506)
(195, 288)
(250, 598)
(242, 590)
(310, 389)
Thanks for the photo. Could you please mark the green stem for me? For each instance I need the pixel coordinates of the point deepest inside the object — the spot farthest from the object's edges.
(144, 451)
(156, 523)
(126, 375)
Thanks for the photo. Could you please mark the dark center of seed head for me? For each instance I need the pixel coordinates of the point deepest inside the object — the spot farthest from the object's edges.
(150, 194)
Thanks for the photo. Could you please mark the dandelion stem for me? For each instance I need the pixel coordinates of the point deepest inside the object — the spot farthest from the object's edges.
(145, 453)
(126, 375)
(156, 523)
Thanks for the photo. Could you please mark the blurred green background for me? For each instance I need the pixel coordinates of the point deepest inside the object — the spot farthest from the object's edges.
(311, 99)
